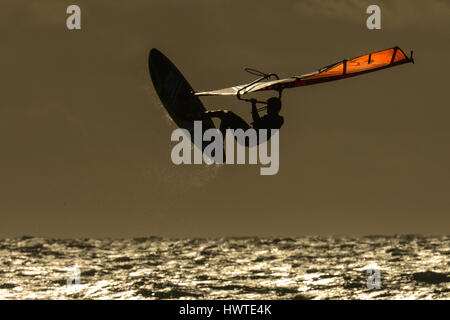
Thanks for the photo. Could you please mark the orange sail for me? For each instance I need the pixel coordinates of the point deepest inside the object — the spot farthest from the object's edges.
(344, 69)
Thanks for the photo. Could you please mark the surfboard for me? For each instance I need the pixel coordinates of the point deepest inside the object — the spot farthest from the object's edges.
(177, 95)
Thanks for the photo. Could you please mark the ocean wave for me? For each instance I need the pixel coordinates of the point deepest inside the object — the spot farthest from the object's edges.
(410, 266)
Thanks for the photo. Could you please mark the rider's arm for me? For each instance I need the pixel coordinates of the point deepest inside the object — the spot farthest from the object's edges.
(255, 114)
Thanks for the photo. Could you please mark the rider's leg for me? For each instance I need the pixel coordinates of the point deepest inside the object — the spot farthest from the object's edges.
(229, 120)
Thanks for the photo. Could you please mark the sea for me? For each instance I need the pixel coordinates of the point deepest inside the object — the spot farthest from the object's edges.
(367, 267)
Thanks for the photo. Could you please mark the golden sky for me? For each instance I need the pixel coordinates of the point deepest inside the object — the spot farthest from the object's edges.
(85, 143)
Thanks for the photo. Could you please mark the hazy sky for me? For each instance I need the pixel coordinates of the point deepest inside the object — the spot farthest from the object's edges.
(85, 144)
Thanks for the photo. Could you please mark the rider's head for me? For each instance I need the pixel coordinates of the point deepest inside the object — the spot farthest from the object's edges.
(273, 106)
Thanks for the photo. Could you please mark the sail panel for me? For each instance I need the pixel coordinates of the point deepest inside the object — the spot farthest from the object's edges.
(344, 69)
